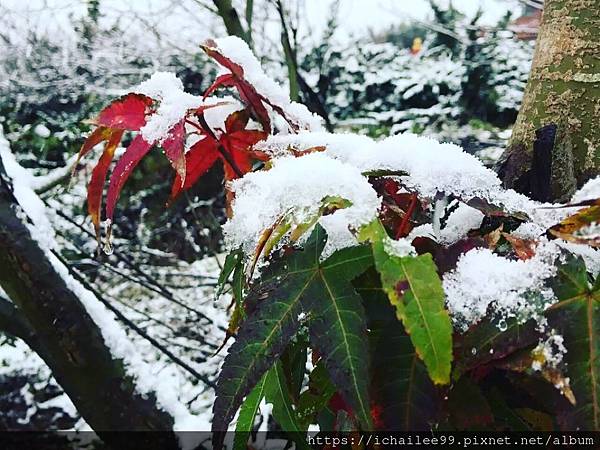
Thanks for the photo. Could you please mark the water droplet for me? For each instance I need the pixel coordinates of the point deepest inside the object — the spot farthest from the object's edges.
(502, 325)
(108, 248)
(473, 351)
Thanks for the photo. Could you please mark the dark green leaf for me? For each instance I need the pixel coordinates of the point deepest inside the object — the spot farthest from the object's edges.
(293, 362)
(404, 398)
(469, 409)
(485, 342)
(504, 415)
(277, 393)
(266, 332)
(232, 260)
(577, 317)
(295, 284)
(245, 421)
(338, 328)
(315, 398)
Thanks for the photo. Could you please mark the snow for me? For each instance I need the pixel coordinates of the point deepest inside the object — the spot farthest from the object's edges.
(549, 352)
(483, 279)
(238, 52)
(17, 358)
(42, 130)
(590, 256)
(430, 166)
(174, 103)
(398, 247)
(425, 165)
(529, 231)
(589, 191)
(164, 382)
(33, 207)
(458, 224)
(294, 188)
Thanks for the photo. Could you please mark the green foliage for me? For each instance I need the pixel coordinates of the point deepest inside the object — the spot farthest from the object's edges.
(302, 284)
(577, 317)
(415, 290)
(277, 393)
(245, 421)
(381, 340)
(406, 400)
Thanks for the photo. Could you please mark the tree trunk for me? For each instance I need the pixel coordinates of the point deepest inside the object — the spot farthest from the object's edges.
(49, 316)
(555, 144)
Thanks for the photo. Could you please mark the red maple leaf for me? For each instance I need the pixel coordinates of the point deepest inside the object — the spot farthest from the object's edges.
(250, 96)
(127, 113)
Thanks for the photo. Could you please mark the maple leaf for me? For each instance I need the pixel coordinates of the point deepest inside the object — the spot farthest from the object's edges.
(322, 290)
(248, 93)
(96, 185)
(127, 113)
(233, 146)
(100, 134)
(130, 159)
(573, 228)
(174, 147)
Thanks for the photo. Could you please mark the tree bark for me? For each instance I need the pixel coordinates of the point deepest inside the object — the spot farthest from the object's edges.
(555, 145)
(67, 338)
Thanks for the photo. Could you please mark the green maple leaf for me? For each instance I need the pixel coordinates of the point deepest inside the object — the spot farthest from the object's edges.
(415, 290)
(321, 290)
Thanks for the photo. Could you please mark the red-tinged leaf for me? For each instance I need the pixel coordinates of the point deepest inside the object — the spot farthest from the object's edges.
(126, 113)
(96, 185)
(524, 248)
(247, 92)
(237, 121)
(225, 80)
(211, 49)
(255, 101)
(130, 159)
(174, 147)
(242, 160)
(98, 135)
(198, 160)
(243, 140)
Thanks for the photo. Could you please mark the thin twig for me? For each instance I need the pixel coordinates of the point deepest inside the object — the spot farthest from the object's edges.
(133, 326)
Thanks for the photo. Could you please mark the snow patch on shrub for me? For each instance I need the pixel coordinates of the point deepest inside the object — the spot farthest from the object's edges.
(296, 187)
(174, 103)
(510, 288)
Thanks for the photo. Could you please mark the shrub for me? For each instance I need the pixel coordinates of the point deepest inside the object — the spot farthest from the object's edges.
(422, 293)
